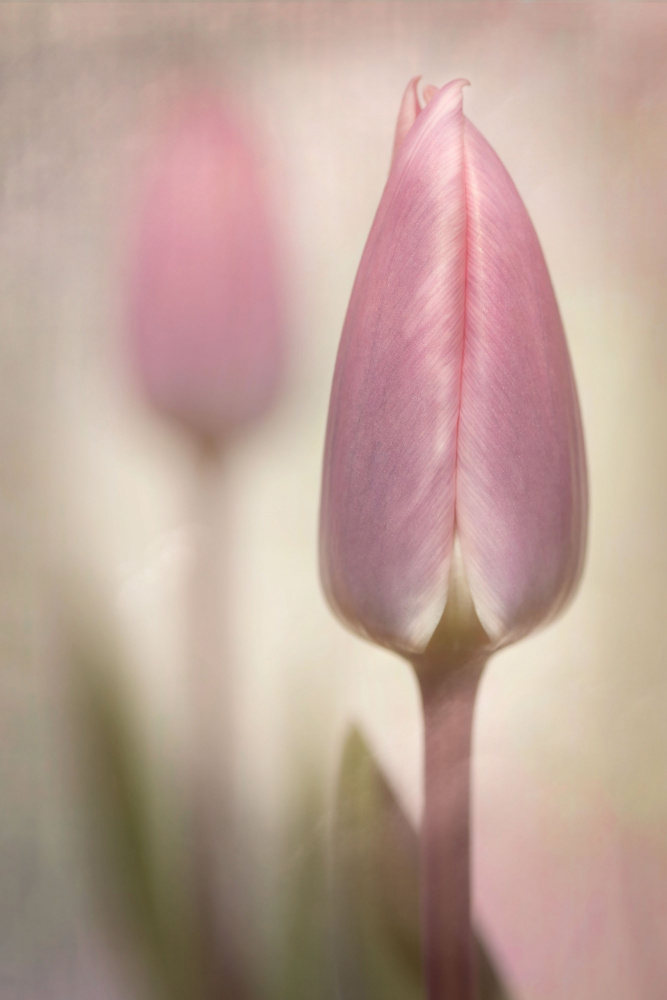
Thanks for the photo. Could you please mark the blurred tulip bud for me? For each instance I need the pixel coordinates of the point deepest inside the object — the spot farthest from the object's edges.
(205, 309)
(454, 494)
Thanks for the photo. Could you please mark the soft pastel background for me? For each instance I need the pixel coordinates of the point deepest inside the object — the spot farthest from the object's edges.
(570, 799)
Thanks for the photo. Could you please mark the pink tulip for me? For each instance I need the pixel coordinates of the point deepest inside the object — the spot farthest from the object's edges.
(205, 311)
(453, 419)
(454, 496)
(205, 318)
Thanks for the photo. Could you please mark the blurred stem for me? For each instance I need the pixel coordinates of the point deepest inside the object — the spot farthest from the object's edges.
(448, 694)
(211, 738)
(209, 677)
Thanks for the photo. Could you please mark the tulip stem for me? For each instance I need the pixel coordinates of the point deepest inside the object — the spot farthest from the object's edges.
(211, 739)
(448, 699)
(206, 677)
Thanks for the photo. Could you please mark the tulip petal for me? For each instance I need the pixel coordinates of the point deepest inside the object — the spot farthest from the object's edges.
(389, 482)
(407, 113)
(521, 477)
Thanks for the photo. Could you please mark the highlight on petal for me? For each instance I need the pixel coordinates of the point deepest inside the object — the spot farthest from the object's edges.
(521, 504)
(454, 414)
(388, 499)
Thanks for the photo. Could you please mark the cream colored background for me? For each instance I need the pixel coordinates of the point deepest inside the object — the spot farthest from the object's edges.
(571, 732)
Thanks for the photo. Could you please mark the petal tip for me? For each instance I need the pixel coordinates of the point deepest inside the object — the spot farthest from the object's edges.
(435, 100)
(407, 113)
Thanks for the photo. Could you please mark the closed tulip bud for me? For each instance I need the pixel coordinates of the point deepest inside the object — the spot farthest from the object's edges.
(454, 491)
(454, 500)
(205, 310)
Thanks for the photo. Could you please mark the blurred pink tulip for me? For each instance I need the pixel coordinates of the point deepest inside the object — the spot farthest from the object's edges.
(454, 470)
(205, 310)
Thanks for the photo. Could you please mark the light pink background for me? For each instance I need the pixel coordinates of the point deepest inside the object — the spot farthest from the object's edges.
(570, 797)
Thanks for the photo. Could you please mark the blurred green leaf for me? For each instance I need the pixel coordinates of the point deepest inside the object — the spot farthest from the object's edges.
(376, 889)
(490, 986)
(375, 885)
(133, 877)
(304, 965)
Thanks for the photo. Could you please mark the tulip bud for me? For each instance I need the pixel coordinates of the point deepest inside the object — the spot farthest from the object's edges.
(205, 311)
(454, 492)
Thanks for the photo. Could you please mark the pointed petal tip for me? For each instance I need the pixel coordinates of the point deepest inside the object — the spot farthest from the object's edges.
(451, 92)
(433, 100)
(407, 113)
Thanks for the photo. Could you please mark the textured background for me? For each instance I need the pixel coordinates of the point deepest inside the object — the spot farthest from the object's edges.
(570, 741)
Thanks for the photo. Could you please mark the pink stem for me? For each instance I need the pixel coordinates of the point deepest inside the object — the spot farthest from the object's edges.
(211, 740)
(448, 696)
(210, 674)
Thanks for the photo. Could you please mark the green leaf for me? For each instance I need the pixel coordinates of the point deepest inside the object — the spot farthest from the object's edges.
(375, 885)
(304, 969)
(377, 930)
(490, 984)
(135, 877)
